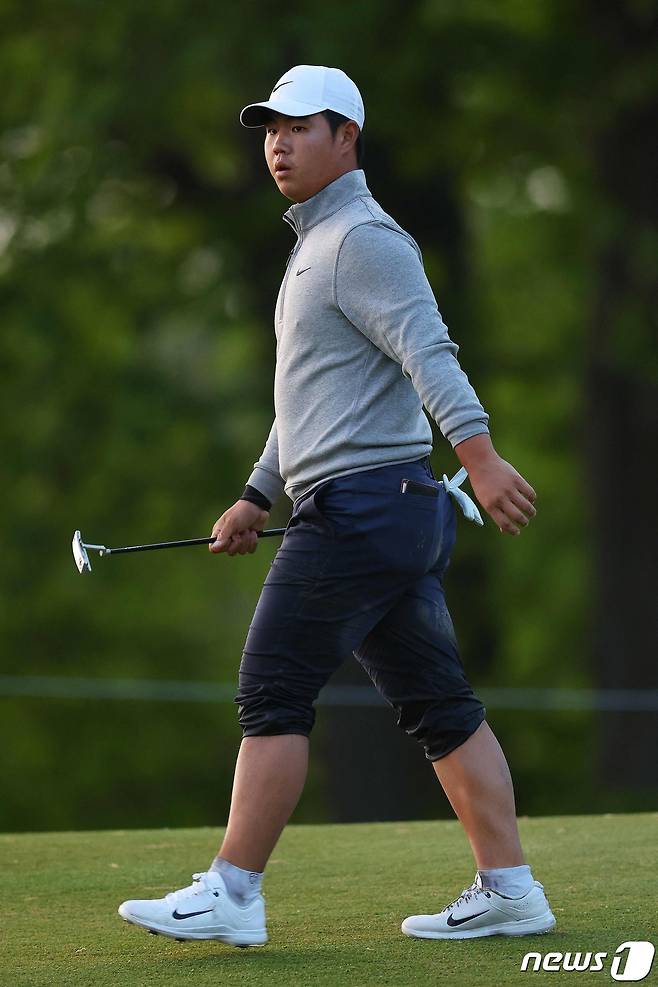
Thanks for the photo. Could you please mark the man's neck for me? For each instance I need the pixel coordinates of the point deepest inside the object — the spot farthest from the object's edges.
(330, 181)
(302, 216)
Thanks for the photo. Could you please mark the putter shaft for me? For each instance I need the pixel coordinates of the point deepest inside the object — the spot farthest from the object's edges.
(269, 533)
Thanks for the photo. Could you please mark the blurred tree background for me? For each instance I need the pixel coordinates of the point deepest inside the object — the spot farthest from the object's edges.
(141, 248)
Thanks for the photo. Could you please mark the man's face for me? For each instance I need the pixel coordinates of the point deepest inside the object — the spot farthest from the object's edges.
(303, 155)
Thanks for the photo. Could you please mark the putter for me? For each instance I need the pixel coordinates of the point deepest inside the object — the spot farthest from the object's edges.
(84, 565)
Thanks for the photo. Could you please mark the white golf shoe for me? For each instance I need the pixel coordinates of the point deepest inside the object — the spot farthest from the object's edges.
(204, 910)
(480, 911)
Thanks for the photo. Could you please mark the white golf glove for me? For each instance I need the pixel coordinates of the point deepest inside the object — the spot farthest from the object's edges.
(468, 507)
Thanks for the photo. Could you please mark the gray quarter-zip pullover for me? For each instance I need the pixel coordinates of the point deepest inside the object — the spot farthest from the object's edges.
(361, 347)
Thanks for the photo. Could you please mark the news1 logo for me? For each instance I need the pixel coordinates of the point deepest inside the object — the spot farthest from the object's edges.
(631, 962)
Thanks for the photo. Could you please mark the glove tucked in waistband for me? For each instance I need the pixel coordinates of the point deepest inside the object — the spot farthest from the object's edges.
(468, 507)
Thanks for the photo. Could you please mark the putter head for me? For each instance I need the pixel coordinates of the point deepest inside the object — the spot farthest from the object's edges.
(80, 553)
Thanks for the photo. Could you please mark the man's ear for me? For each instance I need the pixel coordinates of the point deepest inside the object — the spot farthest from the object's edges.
(349, 136)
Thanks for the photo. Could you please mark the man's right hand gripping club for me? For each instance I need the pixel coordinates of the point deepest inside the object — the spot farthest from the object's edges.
(235, 531)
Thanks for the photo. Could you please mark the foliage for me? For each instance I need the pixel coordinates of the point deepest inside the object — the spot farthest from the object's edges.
(140, 253)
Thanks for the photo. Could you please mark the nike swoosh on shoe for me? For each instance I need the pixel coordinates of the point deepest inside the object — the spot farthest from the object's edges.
(460, 921)
(177, 914)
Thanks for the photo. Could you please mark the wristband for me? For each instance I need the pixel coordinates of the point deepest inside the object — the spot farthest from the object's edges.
(254, 496)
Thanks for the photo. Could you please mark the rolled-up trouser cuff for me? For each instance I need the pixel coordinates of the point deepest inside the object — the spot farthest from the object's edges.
(450, 740)
(269, 708)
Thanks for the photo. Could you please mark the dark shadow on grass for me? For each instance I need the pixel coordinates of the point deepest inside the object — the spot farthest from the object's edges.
(282, 955)
(273, 959)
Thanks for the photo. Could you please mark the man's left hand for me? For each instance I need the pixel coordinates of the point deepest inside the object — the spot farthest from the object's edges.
(504, 494)
(506, 497)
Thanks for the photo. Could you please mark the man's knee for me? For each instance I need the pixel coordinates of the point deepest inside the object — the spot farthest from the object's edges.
(441, 725)
(269, 707)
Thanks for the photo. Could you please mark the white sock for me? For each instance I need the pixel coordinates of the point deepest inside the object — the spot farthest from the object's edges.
(242, 885)
(512, 882)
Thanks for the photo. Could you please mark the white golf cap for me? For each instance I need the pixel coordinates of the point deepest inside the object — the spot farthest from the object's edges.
(307, 89)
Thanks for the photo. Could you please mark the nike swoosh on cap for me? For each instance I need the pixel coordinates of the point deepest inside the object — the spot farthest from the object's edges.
(178, 915)
(460, 921)
(282, 84)
(301, 271)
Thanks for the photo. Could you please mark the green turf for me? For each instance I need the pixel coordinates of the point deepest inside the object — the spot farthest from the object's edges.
(335, 898)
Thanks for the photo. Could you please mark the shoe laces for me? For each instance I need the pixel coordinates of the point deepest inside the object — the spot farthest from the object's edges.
(467, 894)
(199, 885)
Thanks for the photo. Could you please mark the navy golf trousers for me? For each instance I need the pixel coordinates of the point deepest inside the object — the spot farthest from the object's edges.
(360, 571)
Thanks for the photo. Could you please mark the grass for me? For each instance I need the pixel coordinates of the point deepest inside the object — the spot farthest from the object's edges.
(335, 896)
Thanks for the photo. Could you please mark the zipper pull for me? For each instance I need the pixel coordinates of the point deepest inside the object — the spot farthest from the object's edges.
(290, 255)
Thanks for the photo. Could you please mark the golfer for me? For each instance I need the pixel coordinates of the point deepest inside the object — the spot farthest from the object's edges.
(361, 348)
